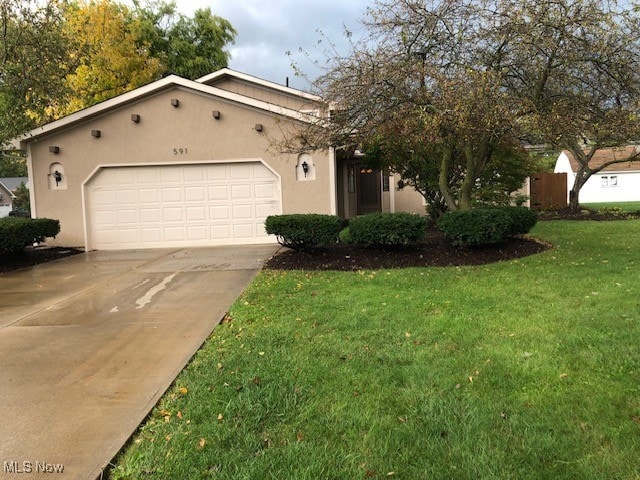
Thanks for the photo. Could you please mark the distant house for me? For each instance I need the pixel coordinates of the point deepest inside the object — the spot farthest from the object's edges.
(8, 185)
(616, 183)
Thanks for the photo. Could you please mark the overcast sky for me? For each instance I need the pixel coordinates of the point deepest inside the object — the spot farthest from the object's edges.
(267, 29)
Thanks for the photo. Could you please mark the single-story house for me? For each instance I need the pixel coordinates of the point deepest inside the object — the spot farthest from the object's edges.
(616, 183)
(191, 163)
(8, 185)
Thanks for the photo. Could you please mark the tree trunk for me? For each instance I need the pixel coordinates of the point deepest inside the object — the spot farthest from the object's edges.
(443, 179)
(468, 182)
(574, 194)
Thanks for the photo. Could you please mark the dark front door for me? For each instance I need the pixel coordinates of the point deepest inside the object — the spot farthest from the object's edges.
(368, 190)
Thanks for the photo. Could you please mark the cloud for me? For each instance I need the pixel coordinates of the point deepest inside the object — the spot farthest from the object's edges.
(268, 30)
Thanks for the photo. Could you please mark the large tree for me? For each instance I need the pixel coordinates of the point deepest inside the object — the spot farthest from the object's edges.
(189, 47)
(33, 59)
(441, 88)
(107, 55)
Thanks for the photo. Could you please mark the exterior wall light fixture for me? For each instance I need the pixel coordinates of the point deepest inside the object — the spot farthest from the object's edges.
(55, 150)
(216, 114)
(259, 127)
(175, 102)
(96, 133)
(135, 118)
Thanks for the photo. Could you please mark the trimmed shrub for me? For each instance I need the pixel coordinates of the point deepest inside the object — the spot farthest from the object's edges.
(304, 230)
(16, 232)
(387, 229)
(480, 226)
(523, 219)
(345, 236)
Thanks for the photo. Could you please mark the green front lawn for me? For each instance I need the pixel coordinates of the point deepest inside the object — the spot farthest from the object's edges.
(528, 369)
(629, 207)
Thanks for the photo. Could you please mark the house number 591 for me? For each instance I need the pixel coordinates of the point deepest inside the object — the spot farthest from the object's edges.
(180, 151)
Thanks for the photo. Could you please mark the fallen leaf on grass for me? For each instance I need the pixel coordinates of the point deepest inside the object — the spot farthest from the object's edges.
(220, 416)
(183, 390)
(564, 375)
(201, 443)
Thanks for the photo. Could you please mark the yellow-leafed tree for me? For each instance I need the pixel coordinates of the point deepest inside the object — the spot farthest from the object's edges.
(109, 58)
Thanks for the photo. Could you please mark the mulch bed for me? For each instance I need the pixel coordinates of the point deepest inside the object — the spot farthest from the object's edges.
(434, 252)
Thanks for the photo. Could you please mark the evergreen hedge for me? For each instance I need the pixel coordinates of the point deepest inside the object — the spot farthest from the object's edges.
(387, 229)
(304, 230)
(17, 232)
(486, 226)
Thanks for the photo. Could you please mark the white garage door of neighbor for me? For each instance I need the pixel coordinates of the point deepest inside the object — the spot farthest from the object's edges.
(180, 205)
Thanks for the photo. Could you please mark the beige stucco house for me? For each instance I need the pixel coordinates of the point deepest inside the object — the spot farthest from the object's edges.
(190, 163)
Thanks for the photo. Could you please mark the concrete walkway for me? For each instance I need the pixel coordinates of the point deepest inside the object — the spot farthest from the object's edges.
(88, 344)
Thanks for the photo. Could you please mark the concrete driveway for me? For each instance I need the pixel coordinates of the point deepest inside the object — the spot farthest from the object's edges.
(89, 343)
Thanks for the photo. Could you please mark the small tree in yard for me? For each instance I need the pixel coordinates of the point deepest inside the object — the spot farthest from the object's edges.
(438, 90)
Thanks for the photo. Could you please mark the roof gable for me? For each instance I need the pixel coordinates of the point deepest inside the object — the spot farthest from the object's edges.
(606, 155)
(12, 183)
(153, 88)
(226, 73)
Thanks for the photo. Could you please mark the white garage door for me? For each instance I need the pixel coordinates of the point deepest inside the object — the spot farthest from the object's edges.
(180, 205)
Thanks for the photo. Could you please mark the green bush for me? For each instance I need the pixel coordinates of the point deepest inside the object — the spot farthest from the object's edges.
(523, 219)
(304, 230)
(17, 232)
(480, 226)
(486, 226)
(345, 236)
(387, 229)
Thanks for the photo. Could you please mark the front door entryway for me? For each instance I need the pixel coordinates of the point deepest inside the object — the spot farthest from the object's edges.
(368, 195)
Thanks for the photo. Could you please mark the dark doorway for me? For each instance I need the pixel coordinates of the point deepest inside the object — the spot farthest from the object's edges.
(368, 190)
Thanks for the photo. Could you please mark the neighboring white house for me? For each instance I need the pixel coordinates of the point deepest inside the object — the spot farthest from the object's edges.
(616, 183)
(7, 186)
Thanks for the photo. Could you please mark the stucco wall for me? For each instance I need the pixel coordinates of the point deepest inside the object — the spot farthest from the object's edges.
(407, 199)
(163, 128)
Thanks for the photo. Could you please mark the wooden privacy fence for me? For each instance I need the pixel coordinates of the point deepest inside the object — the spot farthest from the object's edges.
(548, 191)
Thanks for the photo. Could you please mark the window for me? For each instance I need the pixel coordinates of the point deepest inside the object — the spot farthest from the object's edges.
(608, 181)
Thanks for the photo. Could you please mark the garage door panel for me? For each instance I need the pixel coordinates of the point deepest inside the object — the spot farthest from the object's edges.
(174, 234)
(151, 235)
(149, 195)
(126, 197)
(127, 216)
(196, 213)
(172, 215)
(217, 172)
(170, 175)
(125, 176)
(264, 190)
(104, 218)
(219, 193)
(241, 172)
(195, 173)
(241, 192)
(150, 215)
(220, 213)
(242, 212)
(194, 194)
(176, 205)
(265, 209)
(197, 233)
(171, 195)
(129, 235)
(103, 197)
